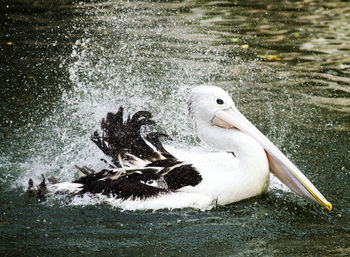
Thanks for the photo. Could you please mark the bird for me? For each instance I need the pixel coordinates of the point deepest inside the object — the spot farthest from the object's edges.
(236, 166)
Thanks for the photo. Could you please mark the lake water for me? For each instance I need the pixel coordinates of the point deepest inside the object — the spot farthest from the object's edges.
(63, 65)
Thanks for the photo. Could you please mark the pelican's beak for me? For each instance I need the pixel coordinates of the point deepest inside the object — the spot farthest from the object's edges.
(280, 165)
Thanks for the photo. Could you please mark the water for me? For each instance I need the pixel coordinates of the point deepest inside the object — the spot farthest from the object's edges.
(64, 65)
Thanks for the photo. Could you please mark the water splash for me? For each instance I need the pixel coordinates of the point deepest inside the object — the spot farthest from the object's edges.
(139, 63)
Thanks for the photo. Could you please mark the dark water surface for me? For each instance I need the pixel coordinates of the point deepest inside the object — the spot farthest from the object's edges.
(63, 65)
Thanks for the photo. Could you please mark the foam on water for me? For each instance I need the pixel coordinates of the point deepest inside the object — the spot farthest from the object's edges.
(171, 201)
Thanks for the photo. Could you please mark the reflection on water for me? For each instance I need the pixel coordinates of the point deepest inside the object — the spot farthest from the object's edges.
(63, 66)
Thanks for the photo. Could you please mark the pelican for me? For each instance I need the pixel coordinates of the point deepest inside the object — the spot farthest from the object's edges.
(142, 168)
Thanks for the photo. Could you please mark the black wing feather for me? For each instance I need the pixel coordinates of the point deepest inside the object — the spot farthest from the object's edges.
(124, 138)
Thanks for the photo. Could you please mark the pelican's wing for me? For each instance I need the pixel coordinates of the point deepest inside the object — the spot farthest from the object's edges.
(143, 168)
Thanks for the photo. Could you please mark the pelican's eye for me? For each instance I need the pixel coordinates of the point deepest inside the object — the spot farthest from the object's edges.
(219, 101)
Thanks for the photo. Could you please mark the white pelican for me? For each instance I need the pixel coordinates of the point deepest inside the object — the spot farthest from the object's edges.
(144, 169)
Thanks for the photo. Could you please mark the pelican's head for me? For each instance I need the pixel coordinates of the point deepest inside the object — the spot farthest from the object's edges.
(205, 101)
(212, 106)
